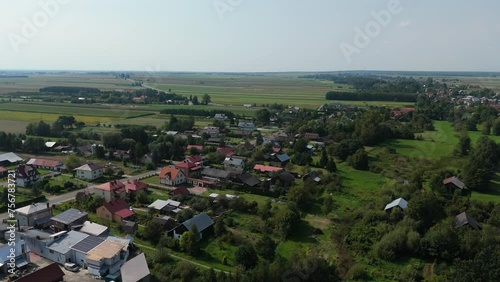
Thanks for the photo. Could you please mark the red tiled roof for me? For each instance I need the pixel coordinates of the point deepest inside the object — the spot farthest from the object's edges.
(276, 150)
(187, 165)
(50, 273)
(226, 151)
(3, 169)
(266, 168)
(124, 213)
(119, 207)
(194, 159)
(172, 171)
(45, 162)
(135, 185)
(111, 186)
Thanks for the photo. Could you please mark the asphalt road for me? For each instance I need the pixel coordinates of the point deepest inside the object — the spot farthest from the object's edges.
(56, 199)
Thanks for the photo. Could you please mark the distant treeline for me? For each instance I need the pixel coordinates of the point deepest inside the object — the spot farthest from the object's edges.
(374, 83)
(14, 76)
(371, 96)
(197, 112)
(69, 89)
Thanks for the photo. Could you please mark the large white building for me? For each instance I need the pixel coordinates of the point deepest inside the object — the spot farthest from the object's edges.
(89, 171)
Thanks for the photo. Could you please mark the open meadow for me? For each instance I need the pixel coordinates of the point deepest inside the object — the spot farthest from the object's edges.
(39, 80)
(239, 89)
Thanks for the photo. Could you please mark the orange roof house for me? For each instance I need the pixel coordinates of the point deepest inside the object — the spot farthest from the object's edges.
(172, 176)
(110, 191)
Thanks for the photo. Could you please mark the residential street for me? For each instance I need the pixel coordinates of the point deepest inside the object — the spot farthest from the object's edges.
(56, 199)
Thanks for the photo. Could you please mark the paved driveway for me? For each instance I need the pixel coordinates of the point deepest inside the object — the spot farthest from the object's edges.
(80, 276)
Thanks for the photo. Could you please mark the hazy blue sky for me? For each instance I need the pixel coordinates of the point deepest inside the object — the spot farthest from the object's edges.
(254, 35)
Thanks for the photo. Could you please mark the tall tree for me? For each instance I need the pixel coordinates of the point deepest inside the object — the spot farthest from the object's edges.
(246, 256)
(190, 241)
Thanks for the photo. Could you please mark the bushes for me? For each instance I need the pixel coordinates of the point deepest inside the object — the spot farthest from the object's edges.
(359, 160)
(391, 244)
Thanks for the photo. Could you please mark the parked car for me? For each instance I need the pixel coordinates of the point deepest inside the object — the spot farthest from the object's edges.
(71, 267)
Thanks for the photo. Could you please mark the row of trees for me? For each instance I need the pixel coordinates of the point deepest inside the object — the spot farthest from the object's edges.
(371, 96)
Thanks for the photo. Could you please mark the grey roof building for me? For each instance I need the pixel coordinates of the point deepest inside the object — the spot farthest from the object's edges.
(68, 219)
(202, 221)
(135, 270)
(93, 228)
(61, 248)
(466, 219)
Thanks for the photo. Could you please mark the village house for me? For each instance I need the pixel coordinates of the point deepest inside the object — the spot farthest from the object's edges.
(313, 175)
(132, 186)
(115, 211)
(400, 202)
(68, 219)
(246, 126)
(189, 169)
(466, 219)
(180, 191)
(47, 164)
(34, 214)
(172, 176)
(225, 151)
(89, 171)
(234, 162)
(247, 179)
(110, 191)
(285, 179)
(283, 159)
(453, 183)
(215, 174)
(7, 159)
(26, 175)
(202, 221)
(210, 130)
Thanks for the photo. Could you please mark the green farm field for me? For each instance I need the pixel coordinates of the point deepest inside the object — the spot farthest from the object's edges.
(36, 81)
(49, 112)
(239, 89)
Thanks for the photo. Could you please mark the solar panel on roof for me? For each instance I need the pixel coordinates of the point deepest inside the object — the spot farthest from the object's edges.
(87, 244)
